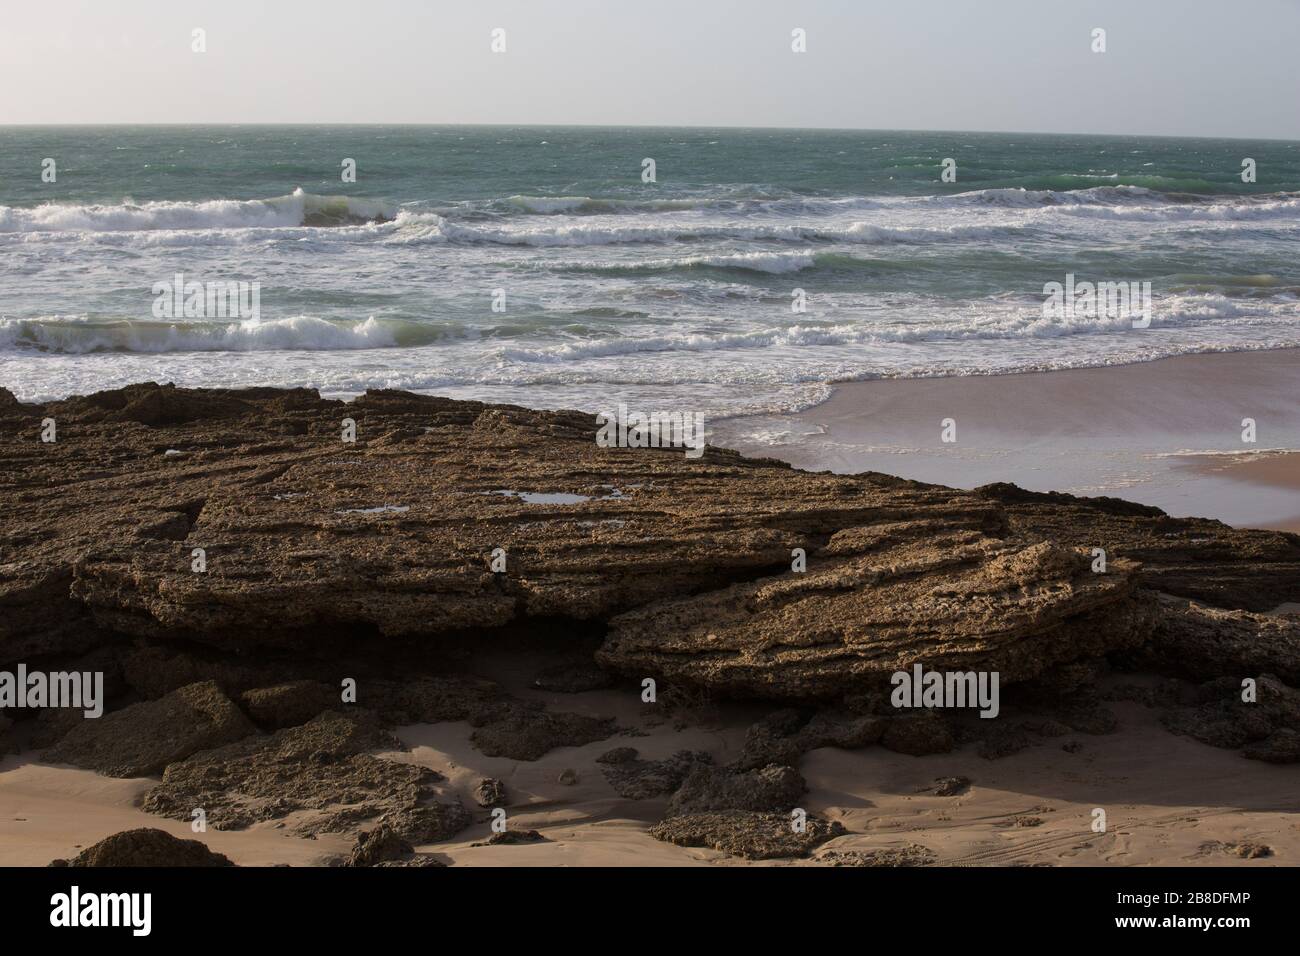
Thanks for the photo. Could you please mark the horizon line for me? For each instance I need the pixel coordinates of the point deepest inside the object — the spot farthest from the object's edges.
(690, 126)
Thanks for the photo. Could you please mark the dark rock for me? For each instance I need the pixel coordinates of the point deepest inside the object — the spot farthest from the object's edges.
(1003, 741)
(1265, 726)
(415, 859)
(950, 786)
(512, 838)
(1094, 719)
(1281, 746)
(288, 705)
(573, 678)
(636, 779)
(774, 739)
(323, 766)
(503, 725)
(1046, 727)
(377, 846)
(490, 793)
(783, 736)
(433, 699)
(1203, 642)
(144, 738)
(742, 833)
(530, 736)
(155, 670)
(428, 823)
(151, 404)
(918, 735)
(1244, 850)
(911, 855)
(708, 788)
(146, 846)
(618, 755)
(829, 728)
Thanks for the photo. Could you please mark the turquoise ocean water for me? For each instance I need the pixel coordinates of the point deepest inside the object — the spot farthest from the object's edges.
(616, 290)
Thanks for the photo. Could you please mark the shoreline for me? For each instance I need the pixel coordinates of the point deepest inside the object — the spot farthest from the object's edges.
(1166, 433)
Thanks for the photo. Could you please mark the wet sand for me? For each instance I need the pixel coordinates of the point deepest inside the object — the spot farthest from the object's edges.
(1276, 471)
(1167, 433)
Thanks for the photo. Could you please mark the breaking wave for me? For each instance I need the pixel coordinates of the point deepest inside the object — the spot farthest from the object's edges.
(297, 209)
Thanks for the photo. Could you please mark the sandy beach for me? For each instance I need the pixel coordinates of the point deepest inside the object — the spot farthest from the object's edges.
(1170, 800)
(1166, 433)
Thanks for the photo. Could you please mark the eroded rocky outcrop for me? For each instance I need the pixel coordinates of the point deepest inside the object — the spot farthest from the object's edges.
(313, 543)
(234, 566)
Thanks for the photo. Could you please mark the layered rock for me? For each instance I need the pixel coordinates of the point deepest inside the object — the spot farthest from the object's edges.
(1191, 557)
(314, 543)
(888, 597)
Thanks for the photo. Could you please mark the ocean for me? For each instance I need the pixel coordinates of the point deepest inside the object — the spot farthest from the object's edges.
(607, 289)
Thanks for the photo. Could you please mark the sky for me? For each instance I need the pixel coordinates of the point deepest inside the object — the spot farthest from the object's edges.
(1171, 67)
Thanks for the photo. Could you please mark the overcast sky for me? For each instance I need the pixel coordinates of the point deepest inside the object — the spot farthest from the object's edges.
(1172, 67)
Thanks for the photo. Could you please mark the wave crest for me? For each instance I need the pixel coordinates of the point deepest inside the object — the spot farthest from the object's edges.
(298, 209)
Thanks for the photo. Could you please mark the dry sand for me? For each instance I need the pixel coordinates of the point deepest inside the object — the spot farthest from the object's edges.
(1138, 432)
(1169, 801)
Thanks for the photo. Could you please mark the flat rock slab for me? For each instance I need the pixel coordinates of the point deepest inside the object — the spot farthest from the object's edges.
(310, 542)
(885, 598)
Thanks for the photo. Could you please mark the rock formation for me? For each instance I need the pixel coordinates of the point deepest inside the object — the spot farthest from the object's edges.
(313, 543)
(144, 738)
(146, 846)
(233, 566)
